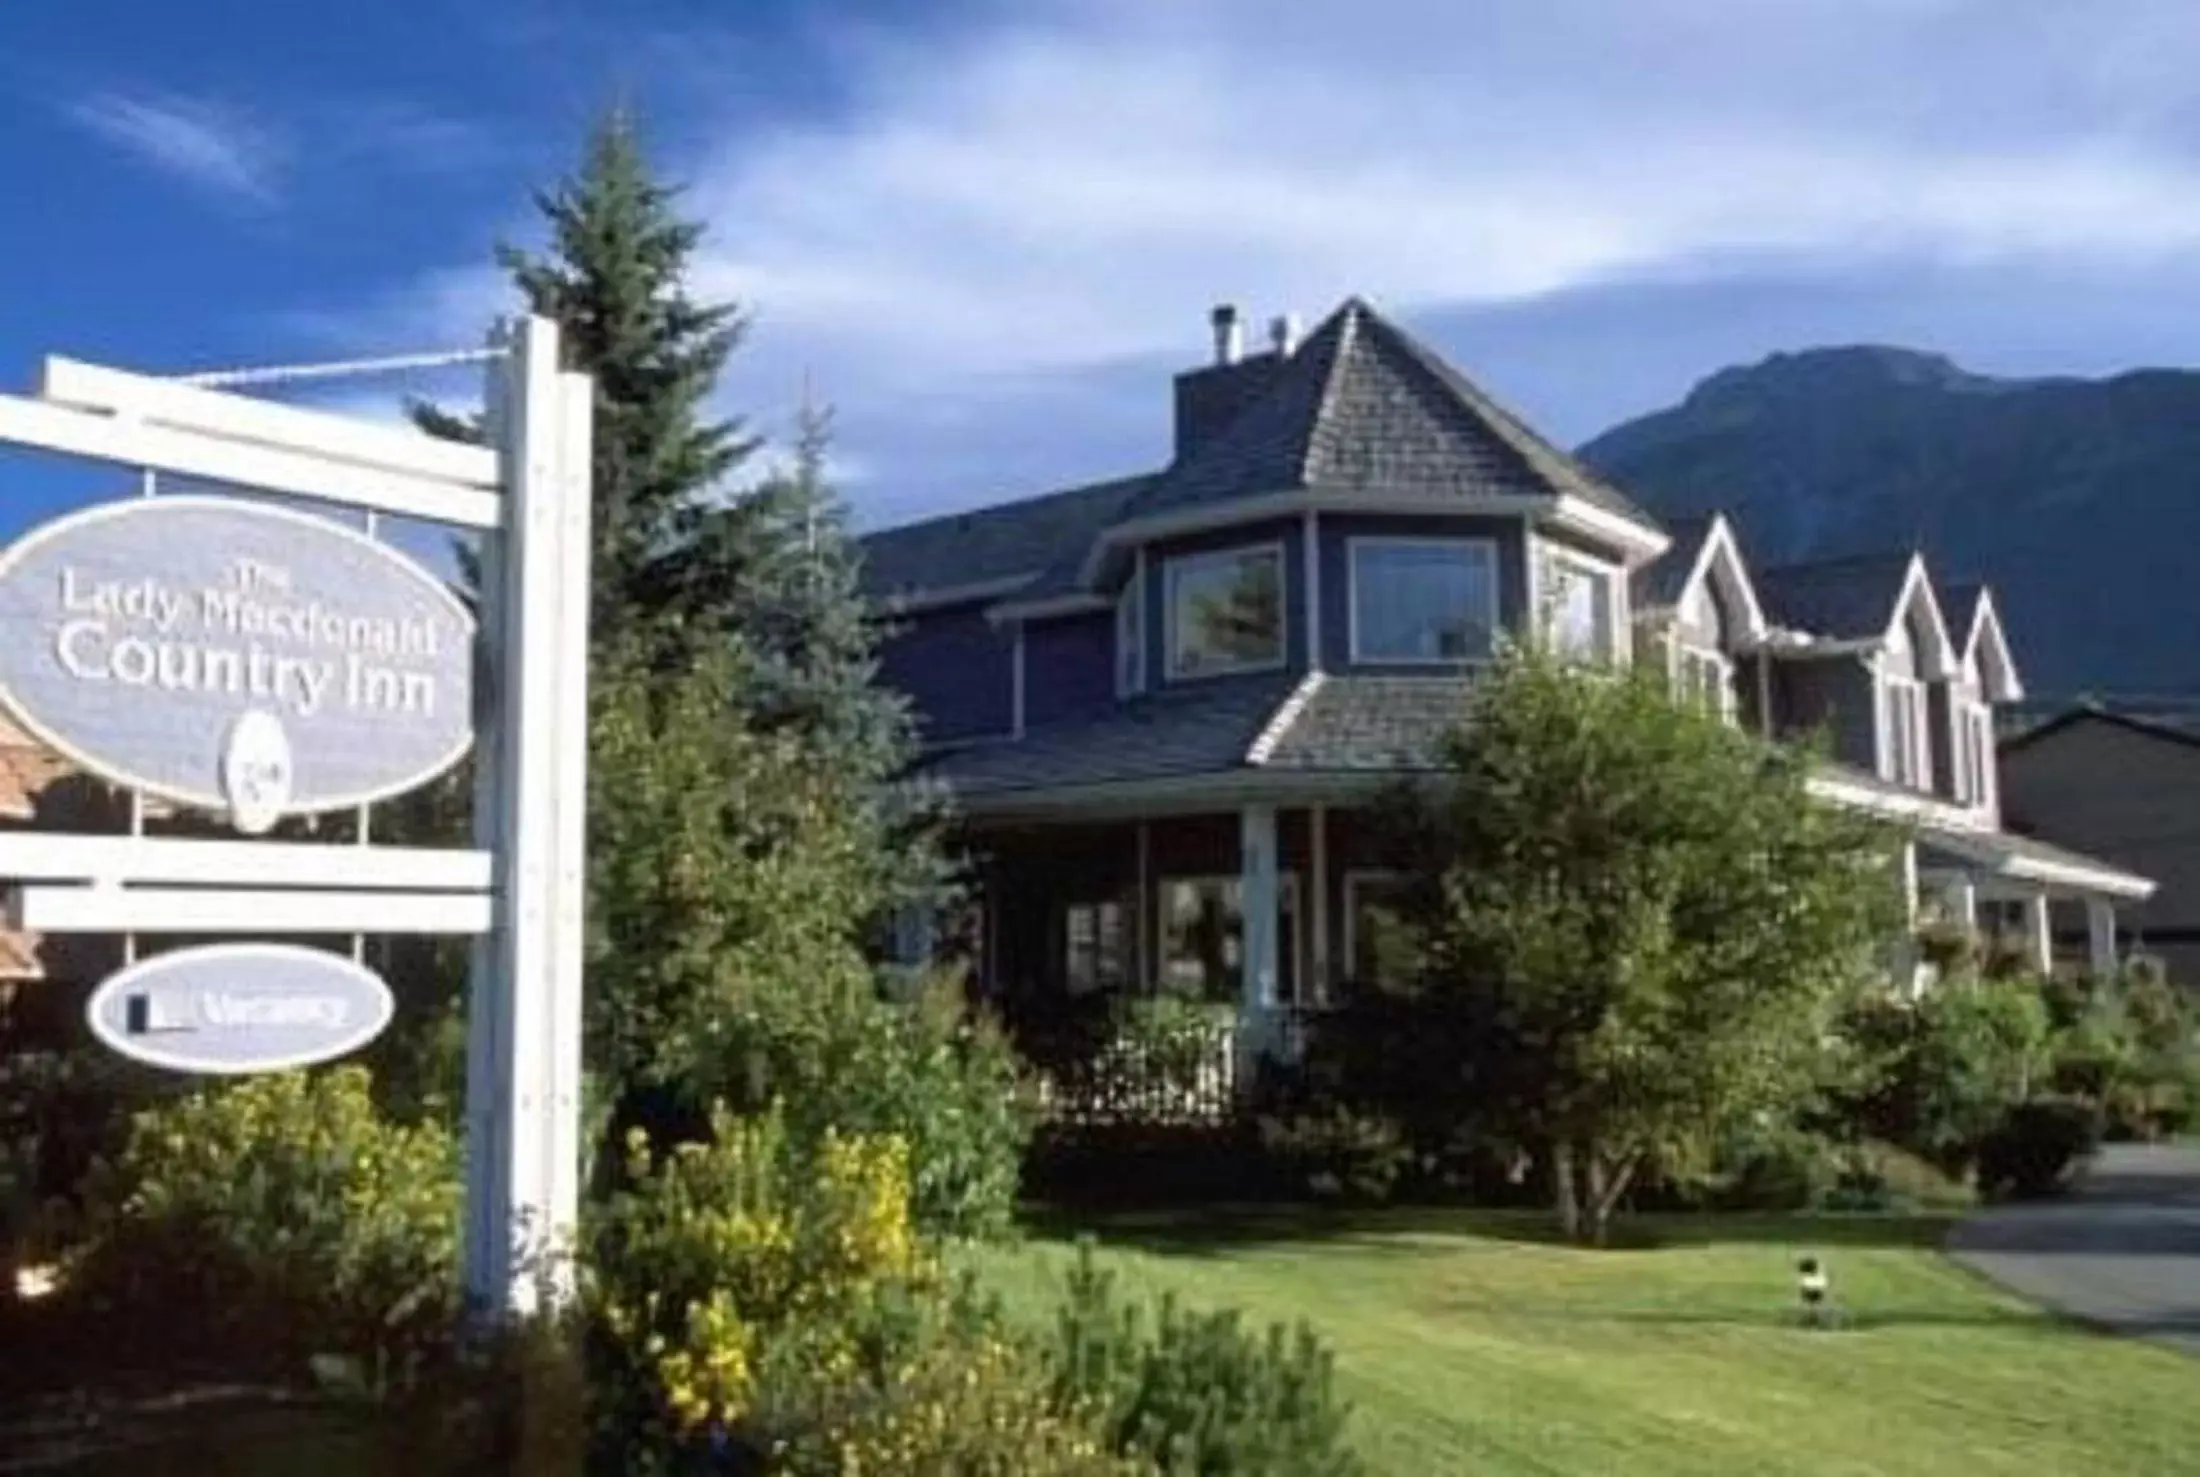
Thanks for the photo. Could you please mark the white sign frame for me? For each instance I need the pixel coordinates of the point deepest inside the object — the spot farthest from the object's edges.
(519, 890)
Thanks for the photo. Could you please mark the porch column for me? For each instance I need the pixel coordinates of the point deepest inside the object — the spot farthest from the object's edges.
(1257, 899)
(1960, 896)
(1908, 973)
(2038, 936)
(2100, 936)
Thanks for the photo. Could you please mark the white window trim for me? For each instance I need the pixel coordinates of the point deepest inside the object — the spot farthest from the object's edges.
(1287, 901)
(1175, 566)
(1354, 879)
(1133, 597)
(1354, 543)
(1126, 923)
(1977, 759)
(1921, 741)
(1616, 607)
(1729, 708)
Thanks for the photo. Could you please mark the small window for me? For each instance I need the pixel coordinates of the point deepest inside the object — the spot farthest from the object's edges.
(1130, 636)
(1975, 734)
(1423, 600)
(1377, 939)
(1580, 596)
(1226, 612)
(1095, 947)
(1203, 937)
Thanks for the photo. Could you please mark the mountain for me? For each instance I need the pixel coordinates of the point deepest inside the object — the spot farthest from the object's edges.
(2077, 499)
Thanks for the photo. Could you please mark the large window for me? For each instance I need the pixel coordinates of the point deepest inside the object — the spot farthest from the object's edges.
(1226, 612)
(1706, 678)
(1579, 596)
(1202, 945)
(1130, 636)
(1975, 743)
(1377, 940)
(1423, 600)
(1907, 759)
(1095, 946)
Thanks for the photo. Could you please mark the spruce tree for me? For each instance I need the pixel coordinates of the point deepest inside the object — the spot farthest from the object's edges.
(614, 278)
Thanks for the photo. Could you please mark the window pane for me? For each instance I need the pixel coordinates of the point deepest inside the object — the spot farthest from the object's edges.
(1421, 602)
(1203, 937)
(1226, 612)
(1581, 608)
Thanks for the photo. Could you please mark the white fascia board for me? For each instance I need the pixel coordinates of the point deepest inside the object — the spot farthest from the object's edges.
(915, 602)
(1842, 791)
(2075, 876)
(1641, 543)
(1918, 584)
(1075, 602)
(1719, 544)
(1185, 795)
(1985, 625)
(235, 417)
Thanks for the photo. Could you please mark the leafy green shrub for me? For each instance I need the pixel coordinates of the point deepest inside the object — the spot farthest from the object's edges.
(2030, 1152)
(2128, 1044)
(1944, 1067)
(1776, 1167)
(1337, 1153)
(1199, 1393)
(281, 1215)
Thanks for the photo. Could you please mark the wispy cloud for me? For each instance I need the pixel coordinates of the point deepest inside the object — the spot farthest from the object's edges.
(1009, 209)
(206, 145)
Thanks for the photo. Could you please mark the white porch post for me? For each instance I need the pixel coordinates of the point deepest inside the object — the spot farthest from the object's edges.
(1960, 896)
(2039, 937)
(1907, 972)
(2100, 936)
(1257, 901)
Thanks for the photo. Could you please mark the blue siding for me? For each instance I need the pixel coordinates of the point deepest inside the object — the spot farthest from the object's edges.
(1338, 529)
(956, 670)
(1069, 667)
(1288, 532)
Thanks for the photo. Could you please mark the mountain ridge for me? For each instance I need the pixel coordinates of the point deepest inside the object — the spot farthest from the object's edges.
(2077, 498)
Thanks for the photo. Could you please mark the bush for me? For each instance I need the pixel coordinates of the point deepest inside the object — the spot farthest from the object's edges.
(758, 1300)
(1777, 1167)
(1199, 1393)
(1337, 1154)
(277, 1218)
(2127, 1044)
(1944, 1067)
(2031, 1151)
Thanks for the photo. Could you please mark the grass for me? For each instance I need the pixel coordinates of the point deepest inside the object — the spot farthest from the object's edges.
(1469, 1344)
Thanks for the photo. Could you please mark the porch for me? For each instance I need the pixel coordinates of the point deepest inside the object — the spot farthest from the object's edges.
(2013, 893)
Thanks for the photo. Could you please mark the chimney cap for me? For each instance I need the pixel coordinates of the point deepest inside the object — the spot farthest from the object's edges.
(1228, 340)
(1283, 334)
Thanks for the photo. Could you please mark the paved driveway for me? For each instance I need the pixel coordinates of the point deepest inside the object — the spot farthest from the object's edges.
(2123, 1252)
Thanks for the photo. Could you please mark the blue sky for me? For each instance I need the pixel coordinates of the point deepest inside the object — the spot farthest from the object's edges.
(988, 232)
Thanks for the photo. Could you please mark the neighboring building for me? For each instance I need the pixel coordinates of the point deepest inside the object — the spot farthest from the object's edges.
(1162, 702)
(2126, 788)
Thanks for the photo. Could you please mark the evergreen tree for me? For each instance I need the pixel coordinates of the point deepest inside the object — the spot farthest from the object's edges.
(614, 280)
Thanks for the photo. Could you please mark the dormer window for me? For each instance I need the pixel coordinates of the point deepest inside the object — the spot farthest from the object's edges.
(1579, 592)
(1908, 761)
(1975, 746)
(1706, 679)
(1225, 612)
(1423, 601)
(1130, 634)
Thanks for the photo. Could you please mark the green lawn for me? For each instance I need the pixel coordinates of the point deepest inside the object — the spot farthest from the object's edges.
(1470, 1346)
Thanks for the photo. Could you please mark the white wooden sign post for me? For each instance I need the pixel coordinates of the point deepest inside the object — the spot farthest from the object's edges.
(254, 664)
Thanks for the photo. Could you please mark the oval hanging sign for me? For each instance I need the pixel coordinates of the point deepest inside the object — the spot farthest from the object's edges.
(234, 1008)
(234, 656)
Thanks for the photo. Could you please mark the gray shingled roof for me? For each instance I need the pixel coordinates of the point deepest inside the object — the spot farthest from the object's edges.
(1362, 406)
(1660, 581)
(1387, 724)
(985, 545)
(1329, 725)
(1193, 730)
(1836, 598)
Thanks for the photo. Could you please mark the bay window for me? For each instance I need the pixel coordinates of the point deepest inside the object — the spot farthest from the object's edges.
(1423, 600)
(1225, 612)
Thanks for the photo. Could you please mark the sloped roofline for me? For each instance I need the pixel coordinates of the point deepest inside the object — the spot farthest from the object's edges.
(2007, 687)
(1917, 584)
(2088, 712)
(1720, 545)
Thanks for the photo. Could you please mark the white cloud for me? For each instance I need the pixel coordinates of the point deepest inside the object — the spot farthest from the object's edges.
(206, 145)
(1058, 188)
